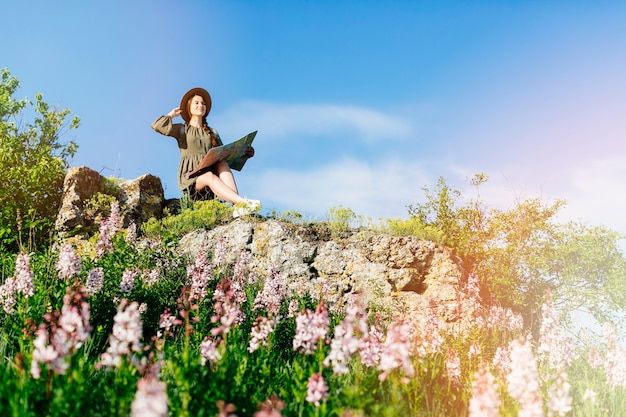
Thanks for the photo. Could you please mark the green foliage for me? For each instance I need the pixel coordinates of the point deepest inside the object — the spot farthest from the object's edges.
(520, 253)
(202, 215)
(33, 161)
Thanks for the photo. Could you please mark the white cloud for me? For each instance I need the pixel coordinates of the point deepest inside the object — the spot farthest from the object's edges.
(383, 189)
(281, 121)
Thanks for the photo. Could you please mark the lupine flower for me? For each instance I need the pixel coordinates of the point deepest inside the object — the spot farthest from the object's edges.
(63, 334)
(272, 294)
(69, 262)
(126, 336)
(150, 399)
(24, 277)
(317, 390)
(523, 379)
(95, 281)
(260, 332)
(485, 401)
(210, 351)
(128, 281)
(131, 233)
(615, 366)
(559, 398)
(271, 408)
(311, 327)
(199, 274)
(396, 351)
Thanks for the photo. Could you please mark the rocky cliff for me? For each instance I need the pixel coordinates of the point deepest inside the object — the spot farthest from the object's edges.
(392, 274)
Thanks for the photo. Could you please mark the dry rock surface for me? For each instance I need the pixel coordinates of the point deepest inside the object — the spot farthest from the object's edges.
(392, 274)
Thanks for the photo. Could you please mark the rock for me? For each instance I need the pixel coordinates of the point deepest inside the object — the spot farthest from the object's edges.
(140, 199)
(80, 184)
(391, 274)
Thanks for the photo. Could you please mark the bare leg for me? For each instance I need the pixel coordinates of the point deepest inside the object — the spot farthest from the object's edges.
(221, 182)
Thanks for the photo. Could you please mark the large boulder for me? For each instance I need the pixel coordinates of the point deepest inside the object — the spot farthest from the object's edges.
(391, 274)
(140, 199)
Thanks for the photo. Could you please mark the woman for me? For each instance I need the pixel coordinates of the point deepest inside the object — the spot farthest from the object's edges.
(194, 139)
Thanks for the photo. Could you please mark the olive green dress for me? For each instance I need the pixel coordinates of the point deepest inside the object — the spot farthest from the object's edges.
(193, 144)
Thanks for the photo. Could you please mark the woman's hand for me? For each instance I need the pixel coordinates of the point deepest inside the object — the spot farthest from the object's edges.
(250, 152)
(175, 112)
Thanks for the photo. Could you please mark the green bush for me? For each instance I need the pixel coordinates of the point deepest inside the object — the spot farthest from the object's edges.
(33, 161)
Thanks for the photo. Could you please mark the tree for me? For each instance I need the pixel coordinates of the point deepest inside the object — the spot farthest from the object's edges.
(33, 162)
(520, 253)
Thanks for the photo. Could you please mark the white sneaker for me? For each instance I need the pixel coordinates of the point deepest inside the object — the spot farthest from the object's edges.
(247, 207)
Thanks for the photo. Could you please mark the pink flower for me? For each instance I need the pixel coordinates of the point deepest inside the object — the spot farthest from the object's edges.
(272, 294)
(95, 281)
(554, 348)
(371, 347)
(317, 390)
(104, 244)
(8, 295)
(210, 351)
(260, 332)
(63, 334)
(115, 218)
(271, 408)
(311, 328)
(151, 277)
(227, 309)
(128, 281)
(24, 277)
(396, 351)
(219, 252)
(150, 399)
(131, 233)
(126, 336)
(347, 339)
(453, 366)
(200, 273)
(485, 401)
(69, 262)
(559, 399)
(523, 379)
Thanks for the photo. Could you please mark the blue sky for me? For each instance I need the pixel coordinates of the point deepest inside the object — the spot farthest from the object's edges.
(357, 103)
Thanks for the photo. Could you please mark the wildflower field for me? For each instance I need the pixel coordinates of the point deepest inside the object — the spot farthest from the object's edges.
(128, 326)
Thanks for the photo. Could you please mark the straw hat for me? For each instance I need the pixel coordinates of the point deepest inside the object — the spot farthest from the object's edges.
(184, 110)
